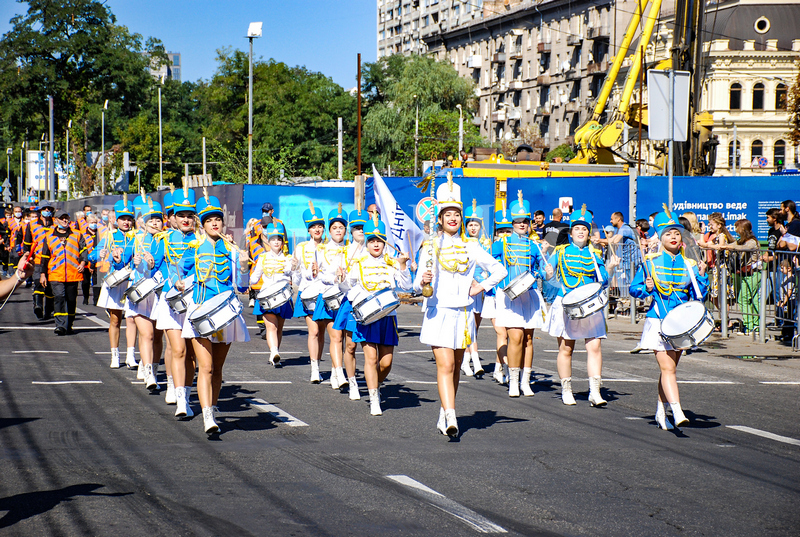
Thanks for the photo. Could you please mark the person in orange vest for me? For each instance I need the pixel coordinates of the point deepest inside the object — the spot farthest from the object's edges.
(8, 213)
(13, 244)
(63, 262)
(33, 239)
(90, 238)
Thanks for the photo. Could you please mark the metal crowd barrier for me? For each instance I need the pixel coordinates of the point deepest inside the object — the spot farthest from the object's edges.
(781, 280)
(628, 259)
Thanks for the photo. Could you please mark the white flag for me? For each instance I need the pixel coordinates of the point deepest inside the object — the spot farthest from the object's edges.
(400, 229)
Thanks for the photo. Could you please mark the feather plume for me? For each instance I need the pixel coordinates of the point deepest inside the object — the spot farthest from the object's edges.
(504, 209)
(171, 189)
(583, 210)
(125, 199)
(185, 188)
(474, 205)
(375, 219)
(340, 208)
(311, 207)
(450, 180)
(666, 210)
(205, 194)
(519, 196)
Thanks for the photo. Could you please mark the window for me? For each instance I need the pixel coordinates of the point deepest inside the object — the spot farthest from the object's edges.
(756, 149)
(738, 155)
(780, 97)
(779, 154)
(736, 96)
(424, 21)
(758, 96)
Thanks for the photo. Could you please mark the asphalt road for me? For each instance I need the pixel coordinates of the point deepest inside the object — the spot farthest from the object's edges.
(86, 450)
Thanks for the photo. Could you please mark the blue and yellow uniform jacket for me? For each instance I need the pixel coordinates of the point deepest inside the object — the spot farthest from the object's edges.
(215, 267)
(672, 285)
(518, 254)
(574, 266)
(110, 241)
(142, 242)
(167, 252)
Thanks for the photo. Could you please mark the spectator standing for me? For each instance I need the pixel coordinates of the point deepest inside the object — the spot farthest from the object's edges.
(750, 275)
(556, 232)
(90, 238)
(538, 223)
(791, 230)
(786, 307)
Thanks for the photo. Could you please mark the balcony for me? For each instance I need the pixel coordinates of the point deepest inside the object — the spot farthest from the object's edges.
(599, 32)
(515, 54)
(515, 85)
(499, 116)
(543, 110)
(543, 80)
(500, 57)
(573, 106)
(474, 61)
(597, 68)
(514, 112)
(572, 74)
(573, 40)
(544, 48)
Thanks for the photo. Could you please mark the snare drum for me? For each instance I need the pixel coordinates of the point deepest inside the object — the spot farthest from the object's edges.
(216, 313)
(333, 297)
(309, 303)
(275, 295)
(585, 300)
(180, 301)
(687, 325)
(144, 288)
(519, 285)
(375, 306)
(118, 277)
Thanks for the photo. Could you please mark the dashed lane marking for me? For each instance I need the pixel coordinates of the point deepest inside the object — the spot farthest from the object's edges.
(765, 434)
(54, 382)
(780, 383)
(256, 381)
(277, 413)
(477, 522)
(40, 352)
(282, 352)
(93, 318)
(708, 382)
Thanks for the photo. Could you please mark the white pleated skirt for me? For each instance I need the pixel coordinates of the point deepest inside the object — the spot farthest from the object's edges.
(236, 331)
(145, 308)
(112, 298)
(166, 318)
(488, 310)
(477, 303)
(651, 336)
(448, 327)
(526, 311)
(558, 324)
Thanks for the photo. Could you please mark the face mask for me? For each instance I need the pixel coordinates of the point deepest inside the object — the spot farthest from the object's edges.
(105, 218)
(88, 213)
(62, 226)
(92, 226)
(18, 215)
(47, 214)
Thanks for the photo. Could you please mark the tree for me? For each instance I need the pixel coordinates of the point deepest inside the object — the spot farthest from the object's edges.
(564, 151)
(74, 51)
(396, 86)
(794, 114)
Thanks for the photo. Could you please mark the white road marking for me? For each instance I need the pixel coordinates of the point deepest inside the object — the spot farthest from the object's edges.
(779, 383)
(707, 382)
(109, 352)
(765, 434)
(277, 413)
(69, 382)
(423, 381)
(633, 418)
(256, 381)
(629, 380)
(409, 326)
(93, 318)
(40, 352)
(473, 519)
(555, 351)
(726, 445)
(282, 352)
(50, 327)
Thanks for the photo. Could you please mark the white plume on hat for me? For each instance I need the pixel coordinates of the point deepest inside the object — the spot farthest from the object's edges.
(448, 195)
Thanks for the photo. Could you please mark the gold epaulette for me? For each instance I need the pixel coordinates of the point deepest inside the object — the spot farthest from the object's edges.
(652, 256)
(389, 261)
(560, 248)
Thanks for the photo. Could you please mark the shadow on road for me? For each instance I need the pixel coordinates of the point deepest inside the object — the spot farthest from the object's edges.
(28, 504)
(9, 422)
(400, 396)
(483, 419)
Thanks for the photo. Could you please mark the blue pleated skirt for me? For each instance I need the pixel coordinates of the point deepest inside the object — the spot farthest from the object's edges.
(382, 332)
(284, 312)
(320, 312)
(344, 317)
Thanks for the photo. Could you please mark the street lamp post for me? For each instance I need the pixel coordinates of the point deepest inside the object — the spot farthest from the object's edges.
(253, 31)
(69, 126)
(103, 148)
(416, 138)
(160, 144)
(51, 179)
(8, 164)
(21, 180)
(460, 130)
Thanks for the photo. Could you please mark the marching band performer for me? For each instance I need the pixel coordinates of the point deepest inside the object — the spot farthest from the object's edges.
(449, 325)
(138, 256)
(369, 274)
(334, 255)
(576, 264)
(526, 312)
(217, 266)
(503, 228)
(168, 253)
(108, 256)
(310, 287)
(270, 268)
(344, 320)
(476, 232)
(670, 278)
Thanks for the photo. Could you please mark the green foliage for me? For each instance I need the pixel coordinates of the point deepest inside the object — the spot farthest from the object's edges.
(267, 165)
(793, 108)
(564, 151)
(140, 140)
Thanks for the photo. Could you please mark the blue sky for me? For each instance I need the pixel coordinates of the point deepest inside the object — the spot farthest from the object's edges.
(322, 35)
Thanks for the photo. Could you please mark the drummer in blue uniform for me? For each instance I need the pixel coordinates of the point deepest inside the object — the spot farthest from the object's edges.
(670, 279)
(108, 256)
(272, 270)
(334, 263)
(521, 315)
(139, 257)
(218, 267)
(369, 274)
(344, 320)
(502, 228)
(168, 252)
(476, 231)
(569, 267)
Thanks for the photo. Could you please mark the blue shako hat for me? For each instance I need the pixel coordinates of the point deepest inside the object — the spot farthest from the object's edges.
(502, 219)
(375, 229)
(337, 215)
(312, 216)
(208, 206)
(123, 207)
(358, 217)
(520, 208)
(183, 200)
(581, 218)
(152, 210)
(168, 202)
(664, 221)
(474, 213)
(273, 229)
(139, 204)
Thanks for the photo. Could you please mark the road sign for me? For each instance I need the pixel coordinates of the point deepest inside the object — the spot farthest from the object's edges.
(6, 184)
(6, 195)
(659, 108)
(424, 209)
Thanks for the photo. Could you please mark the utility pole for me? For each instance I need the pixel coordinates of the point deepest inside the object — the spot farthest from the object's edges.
(339, 121)
(103, 143)
(252, 32)
(21, 181)
(51, 179)
(358, 90)
(416, 139)
(160, 140)
(204, 157)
